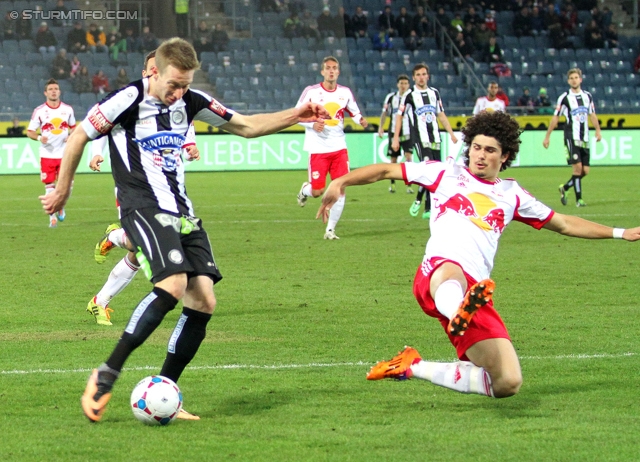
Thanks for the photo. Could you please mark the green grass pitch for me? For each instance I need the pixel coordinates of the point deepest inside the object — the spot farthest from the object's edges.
(281, 374)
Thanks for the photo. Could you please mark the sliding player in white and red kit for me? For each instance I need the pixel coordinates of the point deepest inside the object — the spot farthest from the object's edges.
(55, 120)
(325, 141)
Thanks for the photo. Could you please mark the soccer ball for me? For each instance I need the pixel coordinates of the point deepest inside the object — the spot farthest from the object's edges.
(156, 400)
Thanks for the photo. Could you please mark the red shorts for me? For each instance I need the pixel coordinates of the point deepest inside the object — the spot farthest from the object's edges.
(486, 323)
(334, 163)
(49, 169)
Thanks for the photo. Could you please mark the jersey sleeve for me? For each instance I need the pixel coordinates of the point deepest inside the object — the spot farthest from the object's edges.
(477, 108)
(354, 110)
(190, 137)
(592, 108)
(34, 122)
(439, 107)
(106, 114)
(386, 106)
(72, 118)
(560, 106)
(531, 211)
(201, 106)
(427, 174)
(98, 145)
(405, 100)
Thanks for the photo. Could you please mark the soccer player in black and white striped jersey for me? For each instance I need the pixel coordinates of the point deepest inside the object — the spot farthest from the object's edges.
(426, 105)
(577, 107)
(146, 122)
(390, 109)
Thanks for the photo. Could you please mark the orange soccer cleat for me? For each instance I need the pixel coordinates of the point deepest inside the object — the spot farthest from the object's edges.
(91, 407)
(397, 367)
(477, 296)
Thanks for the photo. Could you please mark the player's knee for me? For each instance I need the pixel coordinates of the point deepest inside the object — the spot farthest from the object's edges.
(175, 284)
(317, 192)
(507, 385)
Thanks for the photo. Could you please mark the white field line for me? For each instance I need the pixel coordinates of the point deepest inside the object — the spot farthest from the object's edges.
(305, 366)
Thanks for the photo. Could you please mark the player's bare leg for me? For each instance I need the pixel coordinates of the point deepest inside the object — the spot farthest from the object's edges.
(392, 188)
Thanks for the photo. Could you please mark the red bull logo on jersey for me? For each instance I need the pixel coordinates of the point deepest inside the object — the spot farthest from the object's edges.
(55, 126)
(480, 210)
(336, 112)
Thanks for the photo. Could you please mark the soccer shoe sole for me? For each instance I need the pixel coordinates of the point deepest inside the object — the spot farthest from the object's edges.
(302, 199)
(98, 254)
(185, 415)
(396, 367)
(93, 409)
(478, 295)
(563, 195)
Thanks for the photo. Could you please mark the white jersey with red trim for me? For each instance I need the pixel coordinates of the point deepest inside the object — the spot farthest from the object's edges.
(336, 102)
(55, 124)
(469, 214)
(485, 104)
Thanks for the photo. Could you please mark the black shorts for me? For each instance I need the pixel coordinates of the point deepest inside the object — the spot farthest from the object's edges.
(577, 152)
(426, 151)
(164, 249)
(405, 146)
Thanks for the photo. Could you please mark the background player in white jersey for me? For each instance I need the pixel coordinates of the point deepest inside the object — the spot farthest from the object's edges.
(390, 109)
(578, 108)
(426, 109)
(491, 102)
(55, 120)
(146, 122)
(325, 140)
(452, 284)
(126, 269)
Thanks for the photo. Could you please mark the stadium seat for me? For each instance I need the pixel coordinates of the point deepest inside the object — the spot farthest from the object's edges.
(231, 96)
(616, 79)
(623, 67)
(10, 46)
(274, 56)
(258, 57)
(583, 54)
(567, 53)
(26, 46)
(101, 59)
(87, 99)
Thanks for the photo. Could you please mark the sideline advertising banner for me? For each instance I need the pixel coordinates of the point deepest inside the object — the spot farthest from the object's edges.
(284, 152)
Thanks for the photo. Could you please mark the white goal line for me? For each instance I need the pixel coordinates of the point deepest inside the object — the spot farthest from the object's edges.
(305, 366)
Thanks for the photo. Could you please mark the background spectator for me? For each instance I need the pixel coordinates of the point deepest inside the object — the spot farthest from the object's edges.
(96, 39)
(360, 23)
(8, 27)
(148, 41)
(61, 66)
(492, 53)
(382, 40)
(481, 36)
(62, 9)
(413, 42)
(82, 81)
(116, 43)
(543, 103)
(403, 24)
(75, 66)
(219, 38)
(16, 130)
(526, 100)
(181, 8)
(466, 48)
(471, 17)
(611, 36)
(502, 95)
(269, 5)
(593, 36)
(342, 24)
(77, 39)
(387, 21)
(100, 83)
(23, 27)
(133, 43)
(420, 23)
(122, 79)
(325, 23)
(522, 23)
(457, 24)
(45, 40)
(309, 26)
(202, 39)
(292, 27)
(490, 21)
(537, 22)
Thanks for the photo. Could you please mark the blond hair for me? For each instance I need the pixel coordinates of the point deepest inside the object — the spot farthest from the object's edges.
(178, 53)
(574, 70)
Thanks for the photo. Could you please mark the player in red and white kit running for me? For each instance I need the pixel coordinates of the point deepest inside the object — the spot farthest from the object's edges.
(472, 207)
(126, 269)
(325, 141)
(55, 120)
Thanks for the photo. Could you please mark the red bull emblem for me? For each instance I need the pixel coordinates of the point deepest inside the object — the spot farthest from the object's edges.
(495, 219)
(459, 204)
(481, 210)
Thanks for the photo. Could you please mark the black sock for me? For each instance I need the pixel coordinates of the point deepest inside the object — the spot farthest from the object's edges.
(577, 185)
(189, 333)
(145, 318)
(393, 181)
(569, 184)
(420, 194)
(427, 201)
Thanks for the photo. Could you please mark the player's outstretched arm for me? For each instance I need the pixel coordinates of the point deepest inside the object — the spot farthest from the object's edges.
(552, 126)
(73, 150)
(364, 175)
(264, 124)
(573, 226)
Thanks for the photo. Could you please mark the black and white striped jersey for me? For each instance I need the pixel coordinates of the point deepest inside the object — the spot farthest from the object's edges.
(425, 106)
(576, 107)
(390, 108)
(145, 143)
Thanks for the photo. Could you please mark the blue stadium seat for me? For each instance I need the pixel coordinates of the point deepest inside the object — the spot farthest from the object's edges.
(544, 67)
(583, 53)
(522, 80)
(616, 79)
(379, 94)
(258, 57)
(511, 41)
(282, 69)
(274, 56)
(601, 79)
(208, 57)
(87, 99)
(567, 53)
(10, 46)
(527, 42)
(231, 96)
(264, 96)
(232, 70)
(239, 82)
(26, 46)
(372, 81)
(623, 67)
(282, 44)
(101, 59)
(248, 95)
(632, 79)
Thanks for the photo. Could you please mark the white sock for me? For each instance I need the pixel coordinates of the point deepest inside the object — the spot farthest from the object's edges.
(306, 191)
(335, 213)
(48, 189)
(462, 376)
(117, 236)
(119, 278)
(448, 298)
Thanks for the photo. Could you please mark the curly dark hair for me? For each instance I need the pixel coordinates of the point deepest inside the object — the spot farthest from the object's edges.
(498, 125)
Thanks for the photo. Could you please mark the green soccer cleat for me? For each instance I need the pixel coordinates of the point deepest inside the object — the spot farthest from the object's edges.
(563, 194)
(426, 215)
(101, 313)
(104, 246)
(580, 203)
(414, 210)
